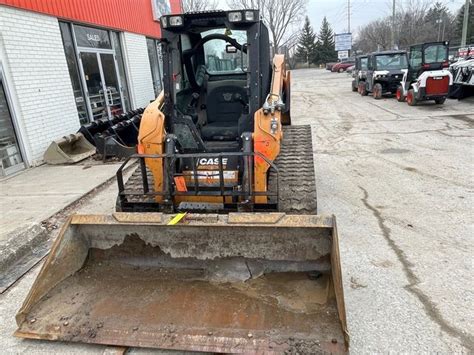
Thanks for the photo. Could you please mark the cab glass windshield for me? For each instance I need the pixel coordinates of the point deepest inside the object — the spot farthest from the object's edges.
(219, 58)
(391, 61)
(436, 53)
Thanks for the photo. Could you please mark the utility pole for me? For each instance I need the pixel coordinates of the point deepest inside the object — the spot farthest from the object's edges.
(393, 25)
(464, 24)
(349, 16)
(349, 24)
(439, 21)
(444, 27)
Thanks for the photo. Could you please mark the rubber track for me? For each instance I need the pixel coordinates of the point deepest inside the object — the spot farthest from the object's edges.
(134, 183)
(297, 185)
(295, 164)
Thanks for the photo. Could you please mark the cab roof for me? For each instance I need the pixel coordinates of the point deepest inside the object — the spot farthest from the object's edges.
(389, 52)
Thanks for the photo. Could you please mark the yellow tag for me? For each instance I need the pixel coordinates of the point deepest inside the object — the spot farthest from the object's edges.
(228, 32)
(176, 219)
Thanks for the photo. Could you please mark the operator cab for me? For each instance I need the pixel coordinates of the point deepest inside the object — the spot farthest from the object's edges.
(361, 65)
(426, 57)
(361, 62)
(390, 61)
(207, 74)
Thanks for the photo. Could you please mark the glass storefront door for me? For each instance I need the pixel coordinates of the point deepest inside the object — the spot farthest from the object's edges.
(99, 72)
(102, 85)
(94, 85)
(10, 157)
(112, 88)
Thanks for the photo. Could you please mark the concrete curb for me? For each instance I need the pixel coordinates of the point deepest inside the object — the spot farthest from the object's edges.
(21, 242)
(23, 250)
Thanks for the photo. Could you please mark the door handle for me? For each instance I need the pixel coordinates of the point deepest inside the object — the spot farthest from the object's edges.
(111, 97)
(108, 97)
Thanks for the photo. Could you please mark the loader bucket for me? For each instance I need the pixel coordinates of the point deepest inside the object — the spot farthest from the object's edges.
(68, 150)
(237, 283)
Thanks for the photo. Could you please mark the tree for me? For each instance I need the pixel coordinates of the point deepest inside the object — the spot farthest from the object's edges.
(416, 21)
(376, 35)
(458, 22)
(439, 23)
(281, 16)
(198, 5)
(410, 19)
(435, 12)
(326, 51)
(306, 47)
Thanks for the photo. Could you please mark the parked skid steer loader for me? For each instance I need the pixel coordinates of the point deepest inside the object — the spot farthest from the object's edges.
(216, 245)
(428, 76)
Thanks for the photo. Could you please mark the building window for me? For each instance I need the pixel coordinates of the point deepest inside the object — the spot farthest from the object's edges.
(116, 44)
(154, 54)
(71, 59)
(11, 160)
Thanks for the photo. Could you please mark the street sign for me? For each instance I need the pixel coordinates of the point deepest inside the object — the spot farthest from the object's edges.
(343, 41)
(343, 54)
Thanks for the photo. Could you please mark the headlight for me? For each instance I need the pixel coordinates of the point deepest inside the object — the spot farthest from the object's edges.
(249, 16)
(176, 21)
(235, 16)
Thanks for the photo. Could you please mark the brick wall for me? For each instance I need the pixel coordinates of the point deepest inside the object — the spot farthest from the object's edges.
(37, 74)
(138, 69)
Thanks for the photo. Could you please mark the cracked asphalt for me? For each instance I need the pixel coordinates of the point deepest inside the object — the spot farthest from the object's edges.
(400, 181)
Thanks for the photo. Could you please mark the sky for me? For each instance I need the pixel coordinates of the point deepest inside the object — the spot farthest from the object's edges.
(362, 11)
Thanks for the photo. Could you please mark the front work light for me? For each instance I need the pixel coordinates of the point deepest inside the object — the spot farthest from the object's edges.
(176, 21)
(235, 16)
(164, 22)
(249, 16)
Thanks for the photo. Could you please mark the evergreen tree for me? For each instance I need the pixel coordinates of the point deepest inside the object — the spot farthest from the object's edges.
(470, 25)
(326, 47)
(306, 48)
(438, 23)
(436, 12)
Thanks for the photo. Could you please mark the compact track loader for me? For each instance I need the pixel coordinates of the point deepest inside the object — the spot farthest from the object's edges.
(216, 245)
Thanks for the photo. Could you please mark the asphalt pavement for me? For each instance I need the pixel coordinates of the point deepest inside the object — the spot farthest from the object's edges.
(399, 180)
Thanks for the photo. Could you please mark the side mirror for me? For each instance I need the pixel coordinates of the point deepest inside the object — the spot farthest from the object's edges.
(230, 49)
